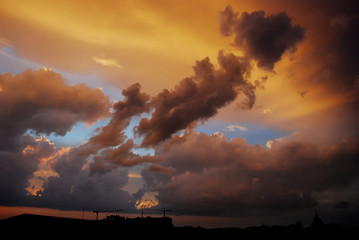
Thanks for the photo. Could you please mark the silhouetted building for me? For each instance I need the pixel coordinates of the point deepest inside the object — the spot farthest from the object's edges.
(112, 227)
(28, 226)
(317, 222)
(148, 222)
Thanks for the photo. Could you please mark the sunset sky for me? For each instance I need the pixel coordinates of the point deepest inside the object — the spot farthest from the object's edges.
(229, 113)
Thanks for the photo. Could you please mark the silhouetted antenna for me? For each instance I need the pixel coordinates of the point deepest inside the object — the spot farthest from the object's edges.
(163, 210)
(102, 211)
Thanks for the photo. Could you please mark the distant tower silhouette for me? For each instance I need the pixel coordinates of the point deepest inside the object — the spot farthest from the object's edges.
(317, 222)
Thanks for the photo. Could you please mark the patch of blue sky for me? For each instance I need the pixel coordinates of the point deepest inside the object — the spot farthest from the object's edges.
(9, 62)
(129, 132)
(143, 151)
(79, 134)
(253, 133)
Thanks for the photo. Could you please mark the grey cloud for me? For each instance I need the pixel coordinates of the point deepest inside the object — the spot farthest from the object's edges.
(262, 37)
(342, 205)
(239, 177)
(81, 190)
(16, 168)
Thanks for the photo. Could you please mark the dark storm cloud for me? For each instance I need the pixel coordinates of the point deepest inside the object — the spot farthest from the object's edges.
(76, 188)
(262, 37)
(197, 98)
(237, 177)
(16, 168)
(342, 205)
(344, 50)
(41, 101)
(82, 190)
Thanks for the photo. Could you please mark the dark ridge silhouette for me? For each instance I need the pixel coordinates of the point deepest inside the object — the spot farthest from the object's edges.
(29, 226)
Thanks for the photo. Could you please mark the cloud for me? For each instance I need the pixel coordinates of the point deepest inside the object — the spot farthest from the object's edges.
(109, 62)
(41, 101)
(343, 49)
(228, 19)
(239, 177)
(262, 37)
(134, 175)
(122, 155)
(342, 205)
(270, 143)
(233, 128)
(72, 188)
(160, 169)
(194, 99)
(267, 111)
(197, 98)
(148, 200)
(16, 168)
(134, 105)
(112, 134)
(212, 171)
(44, 170)
(343, 20)
(109, 147)
(82, 190)
(303, 93)
(330, 53)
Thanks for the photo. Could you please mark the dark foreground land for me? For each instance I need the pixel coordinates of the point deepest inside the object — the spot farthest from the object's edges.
(29, 226)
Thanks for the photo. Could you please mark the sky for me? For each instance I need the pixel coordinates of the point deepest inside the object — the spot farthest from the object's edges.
(229, 113)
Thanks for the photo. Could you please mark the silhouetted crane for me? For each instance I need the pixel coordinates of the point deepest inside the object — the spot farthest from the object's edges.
(102, 211)
(164, 210)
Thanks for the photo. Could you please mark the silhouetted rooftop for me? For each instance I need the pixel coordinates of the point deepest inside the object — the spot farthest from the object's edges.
(29, 226)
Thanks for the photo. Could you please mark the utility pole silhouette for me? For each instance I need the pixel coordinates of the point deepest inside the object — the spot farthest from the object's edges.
(163, 210)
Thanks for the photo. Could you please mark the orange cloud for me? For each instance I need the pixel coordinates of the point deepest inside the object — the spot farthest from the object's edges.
(35, 184)
(148, 200)
(107, 62)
